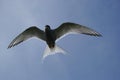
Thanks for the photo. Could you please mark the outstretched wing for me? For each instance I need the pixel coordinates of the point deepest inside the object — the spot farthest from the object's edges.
(28, 33)
(69, 27)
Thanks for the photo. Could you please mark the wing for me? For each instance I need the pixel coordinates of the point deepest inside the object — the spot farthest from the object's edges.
(68, 27)
(28, 33)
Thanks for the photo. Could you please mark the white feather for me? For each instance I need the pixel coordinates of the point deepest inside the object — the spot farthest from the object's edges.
(51, 51)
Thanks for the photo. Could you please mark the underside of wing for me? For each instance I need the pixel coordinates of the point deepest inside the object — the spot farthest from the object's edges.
(28, 33)
(69, 27)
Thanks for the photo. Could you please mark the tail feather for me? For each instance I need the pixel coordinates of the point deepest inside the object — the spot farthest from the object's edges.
(51, 51)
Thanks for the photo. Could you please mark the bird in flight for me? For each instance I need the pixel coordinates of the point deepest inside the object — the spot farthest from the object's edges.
(50, 36)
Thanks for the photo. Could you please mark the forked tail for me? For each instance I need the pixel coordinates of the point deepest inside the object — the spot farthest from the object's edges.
(51, 51)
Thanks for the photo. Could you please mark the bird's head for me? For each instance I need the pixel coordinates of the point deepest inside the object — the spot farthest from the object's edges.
(47, 27)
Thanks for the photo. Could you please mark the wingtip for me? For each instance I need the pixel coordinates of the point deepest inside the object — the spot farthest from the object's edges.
(9, 46)
(99, 35)
(95, 34)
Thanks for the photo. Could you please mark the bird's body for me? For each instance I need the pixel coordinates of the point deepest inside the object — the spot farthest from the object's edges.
(50, 38)
(51, 35)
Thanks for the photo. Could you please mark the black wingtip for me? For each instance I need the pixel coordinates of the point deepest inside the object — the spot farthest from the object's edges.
(12, 45)
(9, 46)
(98, 35)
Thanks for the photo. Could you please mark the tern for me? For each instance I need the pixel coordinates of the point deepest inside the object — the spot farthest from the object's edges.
(50, 36)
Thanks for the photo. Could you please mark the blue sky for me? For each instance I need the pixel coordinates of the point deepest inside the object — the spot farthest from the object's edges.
(89, 58)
